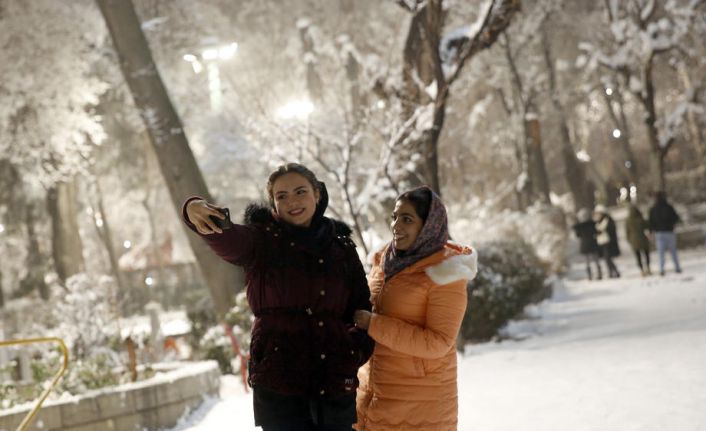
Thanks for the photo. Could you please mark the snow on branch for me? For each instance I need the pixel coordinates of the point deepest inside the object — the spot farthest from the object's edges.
(463, 43)
(409, 5)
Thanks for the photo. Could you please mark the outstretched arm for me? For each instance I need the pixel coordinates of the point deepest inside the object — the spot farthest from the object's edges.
(237, 245)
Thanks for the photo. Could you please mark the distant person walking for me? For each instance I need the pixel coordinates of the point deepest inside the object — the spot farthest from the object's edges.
(607, 239)
(662, 219)
(585, 230)
(635, 227)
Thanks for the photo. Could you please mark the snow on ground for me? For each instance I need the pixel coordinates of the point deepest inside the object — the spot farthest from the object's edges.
(625, 354)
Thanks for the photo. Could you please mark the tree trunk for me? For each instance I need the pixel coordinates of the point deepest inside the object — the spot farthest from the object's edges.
(36, 268)
(659, 152)
(177, 163)
(67, 248)
(620, 122)
(574, 170)
(538, 169)
(659, 169)
(2, 294)
(105, 233)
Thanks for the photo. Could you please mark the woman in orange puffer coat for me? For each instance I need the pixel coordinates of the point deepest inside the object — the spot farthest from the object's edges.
(418, 291)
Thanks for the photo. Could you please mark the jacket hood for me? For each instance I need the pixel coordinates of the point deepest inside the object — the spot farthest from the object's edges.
(453, 262)
(260, 213)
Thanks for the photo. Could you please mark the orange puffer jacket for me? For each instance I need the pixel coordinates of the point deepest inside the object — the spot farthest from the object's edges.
(410, 381)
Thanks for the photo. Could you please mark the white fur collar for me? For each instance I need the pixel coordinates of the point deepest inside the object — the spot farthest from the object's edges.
(462, 266)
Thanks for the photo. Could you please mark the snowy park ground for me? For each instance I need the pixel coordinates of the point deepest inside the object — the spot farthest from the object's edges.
(625, 354)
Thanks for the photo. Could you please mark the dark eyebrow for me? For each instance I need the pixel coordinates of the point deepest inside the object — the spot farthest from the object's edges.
(403, 214)
(285, 191)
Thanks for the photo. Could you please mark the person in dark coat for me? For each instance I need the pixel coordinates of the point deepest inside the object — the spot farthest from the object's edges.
(607, 239)
(585, 230)
(635, 227)
(304, 281)
(662, 220)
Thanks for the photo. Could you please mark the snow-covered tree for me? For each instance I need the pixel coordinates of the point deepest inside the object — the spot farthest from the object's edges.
(640, 34)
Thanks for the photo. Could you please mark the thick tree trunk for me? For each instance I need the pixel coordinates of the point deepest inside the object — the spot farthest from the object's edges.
(426, 85)
(36, 268)
(574, 170)
(67, 248)
(177, 163)
(621, 124)
(538, 169)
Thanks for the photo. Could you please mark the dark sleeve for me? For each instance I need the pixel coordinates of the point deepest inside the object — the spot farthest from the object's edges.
(677, 219)
(359, 300)
(237, 245)
(651, 220)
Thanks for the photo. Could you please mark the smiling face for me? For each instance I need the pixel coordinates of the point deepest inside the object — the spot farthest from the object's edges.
(406, 225)
(295, 199)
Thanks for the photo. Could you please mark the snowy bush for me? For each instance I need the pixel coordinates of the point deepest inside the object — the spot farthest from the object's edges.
(240, 318)
(541, 226)
(85, 320)
(216, 346)
(510, 276)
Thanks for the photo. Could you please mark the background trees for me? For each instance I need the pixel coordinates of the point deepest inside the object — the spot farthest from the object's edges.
(506, 108)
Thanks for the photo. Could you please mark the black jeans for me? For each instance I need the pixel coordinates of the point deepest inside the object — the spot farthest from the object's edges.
(277, 412)
(645, 252)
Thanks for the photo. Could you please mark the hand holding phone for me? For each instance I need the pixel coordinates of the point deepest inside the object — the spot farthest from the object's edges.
(224, 223)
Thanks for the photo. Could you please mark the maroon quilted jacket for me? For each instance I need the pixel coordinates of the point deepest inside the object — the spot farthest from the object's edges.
(303, 293)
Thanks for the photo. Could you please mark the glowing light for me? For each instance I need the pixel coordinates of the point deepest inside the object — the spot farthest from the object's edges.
(628, 164)
(583, 156)
(228, 51)
(616, 133)
(189, 57)
(633, 191)
(127, 244)
(149, 280)
(608, 91)
(2, 228)
(623, 193)
(209, 53)
(299, 109)
(381, 104)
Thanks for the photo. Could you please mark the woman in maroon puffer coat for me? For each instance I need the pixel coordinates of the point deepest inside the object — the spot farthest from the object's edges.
(304, 280)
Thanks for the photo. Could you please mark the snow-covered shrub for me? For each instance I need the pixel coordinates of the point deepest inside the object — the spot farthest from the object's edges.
(240, 318)
(541, 226)
(216, 346)
(86, 322)
(209, 338)
(510, 276)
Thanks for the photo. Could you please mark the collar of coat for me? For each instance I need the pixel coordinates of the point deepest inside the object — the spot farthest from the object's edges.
(261, 214)
(453, 262)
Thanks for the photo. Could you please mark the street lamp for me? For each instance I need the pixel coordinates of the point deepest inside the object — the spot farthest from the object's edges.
(211, 56)
(608, 91)
(616, 133)
(127, 244)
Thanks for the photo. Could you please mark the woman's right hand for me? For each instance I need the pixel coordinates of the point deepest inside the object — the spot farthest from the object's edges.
(198, 212)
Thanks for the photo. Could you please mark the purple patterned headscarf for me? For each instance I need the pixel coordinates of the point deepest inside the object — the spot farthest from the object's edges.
(432, 238)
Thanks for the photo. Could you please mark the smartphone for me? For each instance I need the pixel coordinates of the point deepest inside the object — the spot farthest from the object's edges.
(225, 223)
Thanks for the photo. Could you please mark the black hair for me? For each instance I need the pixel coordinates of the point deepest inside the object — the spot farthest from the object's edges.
(287, 169)
(420, 199)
